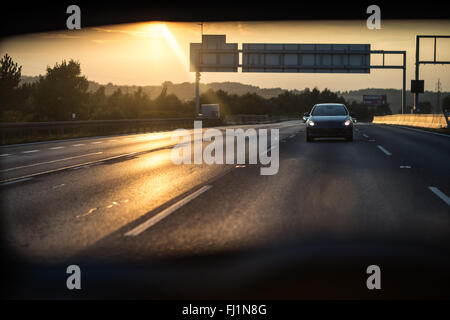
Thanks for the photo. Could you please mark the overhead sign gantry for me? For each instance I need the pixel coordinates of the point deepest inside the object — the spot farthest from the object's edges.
(214, 54)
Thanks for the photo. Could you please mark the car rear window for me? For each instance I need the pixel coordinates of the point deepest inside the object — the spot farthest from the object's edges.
(330, 110)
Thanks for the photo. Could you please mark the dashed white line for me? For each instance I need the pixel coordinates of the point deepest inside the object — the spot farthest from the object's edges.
(5, 154)
(384, 150)
(365, 135)
(78, 145)
(158, 217)
(30, 151)
(440, 194)
(56, 148)
(112, 140)
(96, 142)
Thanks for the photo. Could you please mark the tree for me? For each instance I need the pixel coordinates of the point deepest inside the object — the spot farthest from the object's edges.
(446, 103)
(61, 92)
(10, 73)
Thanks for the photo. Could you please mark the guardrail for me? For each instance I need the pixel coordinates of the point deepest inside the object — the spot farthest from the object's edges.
(19, 132)
(414, 120)
(16, 132)
(255, 118)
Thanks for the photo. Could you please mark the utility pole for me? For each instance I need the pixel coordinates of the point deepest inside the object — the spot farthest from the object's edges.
(438, 89)
(197, 82)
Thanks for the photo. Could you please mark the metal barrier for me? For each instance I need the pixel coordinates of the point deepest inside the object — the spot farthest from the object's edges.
(19, 132)
(414, 120)
(34, 131)
(255, 118)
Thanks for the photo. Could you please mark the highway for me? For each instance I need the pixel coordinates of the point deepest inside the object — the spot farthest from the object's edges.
(121, 198)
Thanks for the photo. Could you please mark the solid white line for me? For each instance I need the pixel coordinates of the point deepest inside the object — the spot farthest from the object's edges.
(440, 194)
(52, 161)
(423, 131)
(158, 217)
(15, 181)
(56, 148)
(67, 167)
(384, 150)
(30, 151)
(86, 166)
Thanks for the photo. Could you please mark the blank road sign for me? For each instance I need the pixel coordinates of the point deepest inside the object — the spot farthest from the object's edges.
(306, 58)
(214, 55)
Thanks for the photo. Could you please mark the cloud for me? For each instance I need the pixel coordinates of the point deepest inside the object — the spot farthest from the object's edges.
(57, 36)
(101, 41)
(127, 32)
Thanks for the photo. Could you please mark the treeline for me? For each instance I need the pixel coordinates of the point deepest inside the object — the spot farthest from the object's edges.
(63, 92)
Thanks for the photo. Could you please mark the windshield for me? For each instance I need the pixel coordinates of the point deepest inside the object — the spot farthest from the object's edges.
(173, 159)
(329, 110)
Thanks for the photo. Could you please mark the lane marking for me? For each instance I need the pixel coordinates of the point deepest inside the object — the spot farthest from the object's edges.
(67, 167)
(15, 181)
(30, 151)
(166, 212)
(267, 151)
(440, 194)
(365, 135)
(112, 140)
(52, 161)
(87, 166)
(78, 145)
(56, 148)
(419, 130)
(405, 167)
(96, 142)
(384, 150)
(5, 154)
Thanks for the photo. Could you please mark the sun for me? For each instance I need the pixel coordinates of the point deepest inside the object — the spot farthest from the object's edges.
(160, 31)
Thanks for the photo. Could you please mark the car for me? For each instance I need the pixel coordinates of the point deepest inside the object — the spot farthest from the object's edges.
(305, 117)
(328, 120)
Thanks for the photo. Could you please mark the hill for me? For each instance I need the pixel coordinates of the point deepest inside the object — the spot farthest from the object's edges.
(186, 91)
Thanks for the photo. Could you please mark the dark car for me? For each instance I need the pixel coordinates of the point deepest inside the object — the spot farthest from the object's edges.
(329, 120)
(305, 116)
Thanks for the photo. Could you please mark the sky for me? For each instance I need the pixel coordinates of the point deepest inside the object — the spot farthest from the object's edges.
(150, 53)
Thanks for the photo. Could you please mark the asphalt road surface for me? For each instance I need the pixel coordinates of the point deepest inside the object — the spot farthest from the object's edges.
(121, 198)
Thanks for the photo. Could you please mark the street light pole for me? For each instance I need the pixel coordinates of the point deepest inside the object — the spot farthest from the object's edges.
(197, 82)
